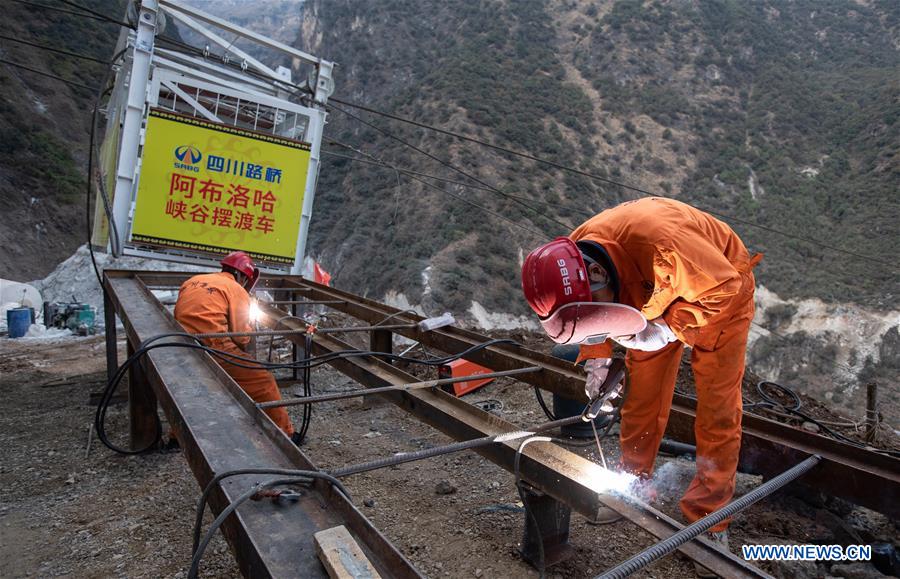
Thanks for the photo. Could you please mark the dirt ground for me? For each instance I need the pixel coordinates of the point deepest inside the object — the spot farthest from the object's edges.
(65, 511)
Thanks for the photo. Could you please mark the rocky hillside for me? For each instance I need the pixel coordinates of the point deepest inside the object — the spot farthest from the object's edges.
(782, 114)
(779, 116)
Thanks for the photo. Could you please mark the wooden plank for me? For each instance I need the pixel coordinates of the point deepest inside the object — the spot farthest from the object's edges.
(341, 556)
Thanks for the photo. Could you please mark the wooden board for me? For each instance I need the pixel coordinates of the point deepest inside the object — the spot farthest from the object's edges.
(341, 556)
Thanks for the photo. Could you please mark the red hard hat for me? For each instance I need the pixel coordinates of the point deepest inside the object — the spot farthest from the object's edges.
(243, 263)
(556, 286)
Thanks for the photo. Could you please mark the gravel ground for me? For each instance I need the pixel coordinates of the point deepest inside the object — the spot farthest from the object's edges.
(66, 512)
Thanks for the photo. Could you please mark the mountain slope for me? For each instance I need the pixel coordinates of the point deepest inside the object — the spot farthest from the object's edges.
(781, 114)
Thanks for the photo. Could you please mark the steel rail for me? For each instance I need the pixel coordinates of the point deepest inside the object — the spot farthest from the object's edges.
(399, 387)
(864, 477)
(564, 475)
(693, 530)
(220, 429)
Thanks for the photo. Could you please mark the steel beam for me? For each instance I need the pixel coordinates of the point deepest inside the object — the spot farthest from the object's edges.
(567, 477)
(865, 477)
(220, 429)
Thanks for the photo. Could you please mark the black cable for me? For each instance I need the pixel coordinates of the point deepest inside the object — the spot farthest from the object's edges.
(303, 477)
(540, 399)
(644, 192)
(380, 163)
(96, 14)
(57, 50)
(453, 167)
(47, 74)
(307, 389)
(768, 401)
(58, 9)
(596, 177)
(204, 497)
(241, 362)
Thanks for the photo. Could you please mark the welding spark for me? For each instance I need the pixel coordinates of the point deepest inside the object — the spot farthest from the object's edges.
(604, 480)
(255, 312)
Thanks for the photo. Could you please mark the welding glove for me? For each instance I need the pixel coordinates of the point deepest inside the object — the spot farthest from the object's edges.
(597, 370)
(652, 338)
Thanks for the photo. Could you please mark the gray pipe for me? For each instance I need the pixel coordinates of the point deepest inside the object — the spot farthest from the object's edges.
(668, 545)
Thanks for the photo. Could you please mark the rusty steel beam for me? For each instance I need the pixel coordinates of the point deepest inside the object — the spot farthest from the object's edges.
(567, 477)
(865, 477)
(220, 429)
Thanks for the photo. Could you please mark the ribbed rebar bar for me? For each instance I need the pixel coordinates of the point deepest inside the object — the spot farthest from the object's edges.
(668, 545)
(395, 388)
(403, 457)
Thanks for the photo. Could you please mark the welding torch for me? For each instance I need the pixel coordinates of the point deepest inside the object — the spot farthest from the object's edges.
(613, 386)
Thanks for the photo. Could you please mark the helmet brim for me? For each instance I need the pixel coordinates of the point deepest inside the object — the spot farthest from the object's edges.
(576, 322)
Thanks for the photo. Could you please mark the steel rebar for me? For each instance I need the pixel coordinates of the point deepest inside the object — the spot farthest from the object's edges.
(395, 388)
(403, 457)
(670, 544)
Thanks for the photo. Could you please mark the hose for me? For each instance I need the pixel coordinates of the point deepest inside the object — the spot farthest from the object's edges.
(668, 545)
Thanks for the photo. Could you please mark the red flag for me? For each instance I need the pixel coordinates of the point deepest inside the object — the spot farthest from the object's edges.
(321, 276)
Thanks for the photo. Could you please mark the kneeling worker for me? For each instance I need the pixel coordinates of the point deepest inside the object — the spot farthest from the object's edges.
(690, 276)
(220, 302)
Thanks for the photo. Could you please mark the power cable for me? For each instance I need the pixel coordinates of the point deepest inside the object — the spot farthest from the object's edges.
(452, 167)
(62, 10)
(47, 74)
(607, 180)
(96, 14)
(57, 50)
(379, 163)
(560, 166)
(539, 234)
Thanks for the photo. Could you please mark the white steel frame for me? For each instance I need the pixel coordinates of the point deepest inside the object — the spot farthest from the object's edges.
(150, 70)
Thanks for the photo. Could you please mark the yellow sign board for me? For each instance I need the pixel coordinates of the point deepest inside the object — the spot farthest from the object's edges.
(214, 188)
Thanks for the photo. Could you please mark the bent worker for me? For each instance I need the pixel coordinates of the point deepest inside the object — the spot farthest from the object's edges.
(690, 277)
(220, 302)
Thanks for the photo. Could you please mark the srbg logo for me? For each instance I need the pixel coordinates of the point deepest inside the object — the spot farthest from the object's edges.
(564, 272)
(188, 156)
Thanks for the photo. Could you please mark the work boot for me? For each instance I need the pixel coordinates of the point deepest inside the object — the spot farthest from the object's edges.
(604, 516)
(720, 539)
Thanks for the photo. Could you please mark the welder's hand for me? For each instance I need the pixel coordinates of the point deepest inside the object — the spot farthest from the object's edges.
(652, 338)
(597, 370)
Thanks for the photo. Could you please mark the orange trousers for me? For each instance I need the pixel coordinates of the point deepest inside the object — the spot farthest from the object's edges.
(259, 385)
(717, 373)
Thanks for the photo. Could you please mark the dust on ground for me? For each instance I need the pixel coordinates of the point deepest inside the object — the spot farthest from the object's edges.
(66, 512)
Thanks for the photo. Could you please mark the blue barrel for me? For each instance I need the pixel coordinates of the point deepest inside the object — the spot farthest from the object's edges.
(17, 321)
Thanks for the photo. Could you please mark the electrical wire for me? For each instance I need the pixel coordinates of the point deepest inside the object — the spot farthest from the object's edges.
(537, 233)
(96, 14)
(600, 178)
(207, 490)
(241, 362)
(56, 50)
(47, 74)
(58, 9)
(452, 167)
(210, 533)
(793, 409)
(379, 163)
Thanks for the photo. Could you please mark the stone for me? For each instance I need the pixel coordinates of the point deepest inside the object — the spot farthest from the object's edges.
(370, 502)
(810, 427)
(479, 572)
(445, 487)
(858, 570)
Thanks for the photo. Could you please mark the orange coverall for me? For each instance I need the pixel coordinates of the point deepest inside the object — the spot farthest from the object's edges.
(215, 302)
(681, 264)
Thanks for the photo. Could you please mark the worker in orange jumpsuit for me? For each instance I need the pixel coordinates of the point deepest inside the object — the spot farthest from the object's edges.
(690, 277)
(220, 302)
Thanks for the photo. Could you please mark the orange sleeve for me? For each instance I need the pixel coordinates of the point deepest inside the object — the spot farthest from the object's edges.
(690, 287)
(590, 351)
(238, 313)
